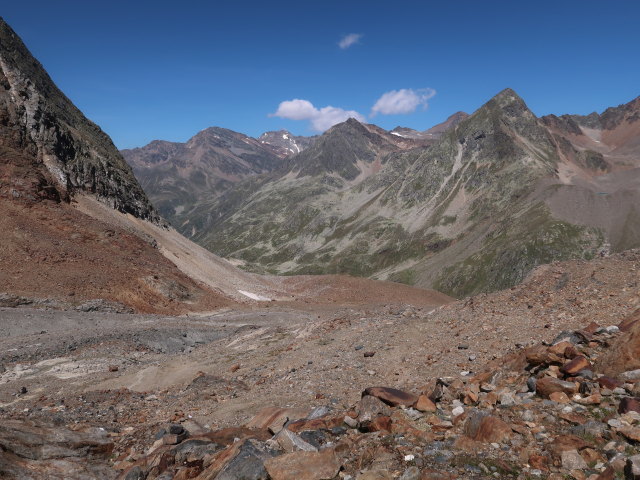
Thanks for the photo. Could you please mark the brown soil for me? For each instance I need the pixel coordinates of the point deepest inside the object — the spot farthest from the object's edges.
(50, 250)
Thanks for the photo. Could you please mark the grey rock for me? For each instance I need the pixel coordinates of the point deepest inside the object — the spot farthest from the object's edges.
(370, 407)
(411, 473)
(248, 464)
(195, 449)
(291, 442)
(591, 428)
(571, 460)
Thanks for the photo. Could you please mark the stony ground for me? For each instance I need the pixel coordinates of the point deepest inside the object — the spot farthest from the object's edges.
(120, 379)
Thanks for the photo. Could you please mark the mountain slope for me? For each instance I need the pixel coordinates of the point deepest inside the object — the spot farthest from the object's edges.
(473, 212)
(284, 144)
(178, 175)
(77, 230)
(39, 121)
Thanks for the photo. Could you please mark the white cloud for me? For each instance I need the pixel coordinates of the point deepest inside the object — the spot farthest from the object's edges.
(349, 40)
(405, 100)
(320, 119)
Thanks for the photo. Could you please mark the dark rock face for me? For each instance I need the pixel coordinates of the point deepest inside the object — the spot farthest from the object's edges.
(38, 121)
(340, 149)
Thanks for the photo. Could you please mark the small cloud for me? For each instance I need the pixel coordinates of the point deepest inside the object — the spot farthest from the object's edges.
(349, 40)
(320, 119)
(405, 100)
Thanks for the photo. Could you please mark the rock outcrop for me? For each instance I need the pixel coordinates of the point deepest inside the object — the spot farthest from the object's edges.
(39, 122)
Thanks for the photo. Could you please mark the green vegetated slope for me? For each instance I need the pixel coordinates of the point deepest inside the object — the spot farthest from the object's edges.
(464, 215)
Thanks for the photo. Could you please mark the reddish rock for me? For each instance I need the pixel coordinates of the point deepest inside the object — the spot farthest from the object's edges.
(486, 428)
(629, 404)
(630, 321)
(608, 474)
(592, 328)
(559, 348)
(573, 417)
(632, 433)
(571, 352)
(545, 386)
(563, 443)
(610, 383)
(315, 424)
(572, 367)
(470, 398)
(539, 462)
(559, 397)
(594, 399)
(424, 404)
(228, 436)
(274, 418)
(428, 474)
(624, 353)
(113, 368)
(541, 355)
(392, 396)
(378, 424)
(322, 465)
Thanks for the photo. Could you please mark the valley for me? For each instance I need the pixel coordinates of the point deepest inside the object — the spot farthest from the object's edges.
(363, 304)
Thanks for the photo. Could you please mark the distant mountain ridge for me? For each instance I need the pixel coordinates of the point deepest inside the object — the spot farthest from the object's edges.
(434, 132)
(178, 176)
(497, 193)
(284, 144)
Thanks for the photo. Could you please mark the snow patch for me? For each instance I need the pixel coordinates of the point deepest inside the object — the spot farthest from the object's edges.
(254, 296)
(398, 134)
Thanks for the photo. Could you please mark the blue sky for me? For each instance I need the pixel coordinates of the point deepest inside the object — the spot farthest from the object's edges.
(149, 70)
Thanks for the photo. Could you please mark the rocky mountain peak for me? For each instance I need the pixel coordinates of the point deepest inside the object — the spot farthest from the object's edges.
(40, 122)
(283, 143)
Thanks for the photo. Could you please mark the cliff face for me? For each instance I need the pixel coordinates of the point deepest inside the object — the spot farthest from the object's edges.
(38, 121)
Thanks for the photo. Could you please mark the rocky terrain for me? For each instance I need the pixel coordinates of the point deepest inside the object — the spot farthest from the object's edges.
(179, 177)
(496, 194)
(284, 144)
(434, 132)
(130, 352)
(38, 121)
(537, 381)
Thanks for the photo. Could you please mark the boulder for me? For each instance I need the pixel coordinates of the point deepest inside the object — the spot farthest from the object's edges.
(322, 465)
(571, 460)
(624, 353)
(629, 404)
(575, 365)
(424, 404)
(482, 427)
(37, 450)
(541, 355)
(545, 386)
(290, 442)
(248, 464)
(392, 396)
(370, 407)
(275, 418)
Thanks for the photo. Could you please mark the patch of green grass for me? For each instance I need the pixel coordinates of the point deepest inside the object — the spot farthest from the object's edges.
(516, 248)
(408, 277)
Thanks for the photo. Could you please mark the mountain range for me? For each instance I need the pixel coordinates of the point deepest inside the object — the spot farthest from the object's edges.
(469, 206)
